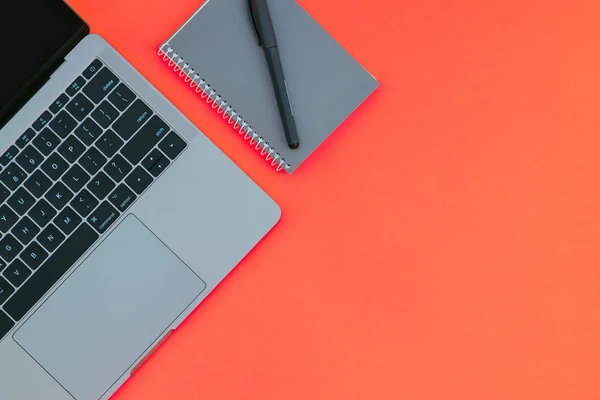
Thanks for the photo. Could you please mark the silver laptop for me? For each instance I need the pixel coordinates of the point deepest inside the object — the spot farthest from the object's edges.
(117, 216)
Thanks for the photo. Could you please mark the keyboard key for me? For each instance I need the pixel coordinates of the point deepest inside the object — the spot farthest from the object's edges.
(103, 217)
(84, 203)
(29, 159)
(117, 168)
(155, 162)
(4, 193)
(59, 103)
(7, 218)
(6, 324)
(71, 149)
(143, 141)
(88, 131)
(38, 183)
(75, 86)
(21, 201)
(122, 197)
(121, 97)
(51, 271)
(25, 230)
(101, 185)
(34, 255)
(172, 145)
(160, 166)
(5, 291)
(8, 155)
(109, 143)
(46, 141)
(13, 176)
(17, 273)
(9, 248)
(139, 180)
(152, 159)
(105, 114)
(50, 238)
(132, 119)
(92, 69)
(75, 178)
(63, 124)
(79, 107)
(59, 195)
(42, 121)
(25, 138)
(67, 220)
(101, 85)
(55, 166)
(42, 213)
(92, 160)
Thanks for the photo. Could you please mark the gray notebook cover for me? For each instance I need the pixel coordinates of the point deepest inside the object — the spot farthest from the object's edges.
(217, 49)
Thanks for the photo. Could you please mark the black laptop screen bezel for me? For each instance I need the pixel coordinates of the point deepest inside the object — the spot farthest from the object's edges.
(52, 59)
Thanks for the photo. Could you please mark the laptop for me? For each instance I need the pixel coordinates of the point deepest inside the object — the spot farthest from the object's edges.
(117, 215)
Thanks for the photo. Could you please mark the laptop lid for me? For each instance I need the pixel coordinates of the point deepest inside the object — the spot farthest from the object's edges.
(39, 34)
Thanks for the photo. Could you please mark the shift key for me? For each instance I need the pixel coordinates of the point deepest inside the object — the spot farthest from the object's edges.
(132, 119)
(143, 141)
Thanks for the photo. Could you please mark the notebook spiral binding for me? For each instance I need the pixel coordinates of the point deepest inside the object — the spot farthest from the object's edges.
(199, 84)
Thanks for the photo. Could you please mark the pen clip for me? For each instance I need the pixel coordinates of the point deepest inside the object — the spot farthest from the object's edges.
(253, 16)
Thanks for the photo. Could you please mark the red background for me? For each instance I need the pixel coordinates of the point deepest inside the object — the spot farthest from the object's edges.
(442, 244)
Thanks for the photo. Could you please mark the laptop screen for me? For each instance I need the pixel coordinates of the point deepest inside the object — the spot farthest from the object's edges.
(34, 33)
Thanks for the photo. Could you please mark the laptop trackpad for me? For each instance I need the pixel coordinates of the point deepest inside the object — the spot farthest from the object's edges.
(116, 304)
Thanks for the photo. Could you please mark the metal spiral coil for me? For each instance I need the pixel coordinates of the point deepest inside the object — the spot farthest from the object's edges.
(216, 101)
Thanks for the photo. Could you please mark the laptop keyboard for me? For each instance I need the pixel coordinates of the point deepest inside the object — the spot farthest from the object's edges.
(69, 177)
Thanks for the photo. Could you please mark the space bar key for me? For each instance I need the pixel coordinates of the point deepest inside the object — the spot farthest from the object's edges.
(51, 271)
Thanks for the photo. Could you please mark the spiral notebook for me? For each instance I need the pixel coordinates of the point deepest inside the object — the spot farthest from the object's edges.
(216, 52)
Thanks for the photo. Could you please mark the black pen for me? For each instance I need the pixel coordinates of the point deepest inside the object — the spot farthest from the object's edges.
(261, 19)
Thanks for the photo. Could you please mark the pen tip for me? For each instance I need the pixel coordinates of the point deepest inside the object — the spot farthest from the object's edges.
(294, 145)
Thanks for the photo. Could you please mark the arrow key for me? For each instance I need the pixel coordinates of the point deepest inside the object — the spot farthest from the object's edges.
(17, 273)
(139, 180)
(156, 162)
(152, 159)
(172, 145)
